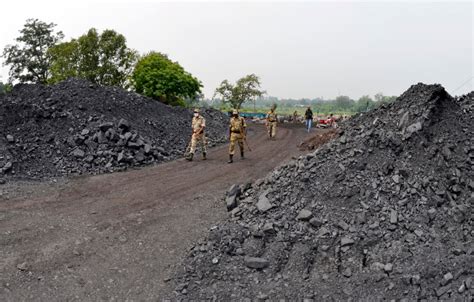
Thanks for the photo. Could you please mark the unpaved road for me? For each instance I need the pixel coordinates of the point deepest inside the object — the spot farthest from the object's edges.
(118, 236)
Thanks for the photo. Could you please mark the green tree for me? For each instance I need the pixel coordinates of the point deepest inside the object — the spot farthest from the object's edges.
(5, 88)
(28, 59)
(245, 89)
(382, 99)
(156, 76)
(102, 58)
(344, 103)
(364, 103)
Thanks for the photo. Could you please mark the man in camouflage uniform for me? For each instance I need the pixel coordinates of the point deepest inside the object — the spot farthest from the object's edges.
(237, 131)
(198, 125)
(271, 122)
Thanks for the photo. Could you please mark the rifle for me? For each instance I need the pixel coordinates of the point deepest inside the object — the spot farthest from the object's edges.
(244, 137)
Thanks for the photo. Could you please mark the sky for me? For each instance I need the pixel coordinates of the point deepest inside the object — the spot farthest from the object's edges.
(298, 49)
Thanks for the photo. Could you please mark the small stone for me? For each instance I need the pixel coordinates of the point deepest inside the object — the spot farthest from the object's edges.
(105, 126)
(468, 283)
(442, 290)
(22, 266)
(7, 167)
(124, 124)
(396, 178)
(315, 222)
(343, 225)
(393, 217)
(234, 190)
(447, 278)
(263, 203)
(323, 232)
(231, 202)
(256, 262)
(304, 215)
(78, 153)
(10, 138)
(347, 272)
(346, 241)
(415, 280)
(147, 148)
(215, 260)
(446, 152)
(388, 267)
(268, 227)
(413, 128)
(432, 213)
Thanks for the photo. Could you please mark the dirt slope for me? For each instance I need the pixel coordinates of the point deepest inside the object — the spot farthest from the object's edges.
(118, 236)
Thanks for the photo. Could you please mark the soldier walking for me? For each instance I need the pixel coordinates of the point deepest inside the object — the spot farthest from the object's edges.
(198, 125)
(237, 132)
(271, 122)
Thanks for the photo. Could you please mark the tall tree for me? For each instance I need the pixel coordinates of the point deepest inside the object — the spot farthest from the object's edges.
(156, 76)
(245, 89)
(364, 103)
(344, 102)
(28, 59)
(102, 58)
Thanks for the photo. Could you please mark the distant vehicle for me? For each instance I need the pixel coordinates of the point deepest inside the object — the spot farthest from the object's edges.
(328, 122)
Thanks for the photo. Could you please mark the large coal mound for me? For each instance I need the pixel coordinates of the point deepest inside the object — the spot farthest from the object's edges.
(76, 127)
(383, 212)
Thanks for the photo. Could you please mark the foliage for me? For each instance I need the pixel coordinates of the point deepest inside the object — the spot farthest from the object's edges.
(341, 105)
(28, 60)
(245, 89)
(102, 58)
(344, 102)
(364, 103)
(382, 99)
(156, 76)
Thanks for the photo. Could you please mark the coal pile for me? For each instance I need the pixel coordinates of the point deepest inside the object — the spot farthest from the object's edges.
(76, 127)
(383, 212)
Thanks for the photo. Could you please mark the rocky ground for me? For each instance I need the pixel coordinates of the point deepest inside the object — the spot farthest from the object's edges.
(76, 127)
(120, 236)
(384, 212)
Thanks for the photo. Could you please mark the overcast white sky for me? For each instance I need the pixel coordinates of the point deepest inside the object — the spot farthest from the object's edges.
(299, 49)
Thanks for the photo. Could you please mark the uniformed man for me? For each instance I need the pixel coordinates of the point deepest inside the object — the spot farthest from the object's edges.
(271, 122)
(198, 125)
(237, 131)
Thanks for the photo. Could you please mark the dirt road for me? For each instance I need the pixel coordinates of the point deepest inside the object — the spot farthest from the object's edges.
(118, 236)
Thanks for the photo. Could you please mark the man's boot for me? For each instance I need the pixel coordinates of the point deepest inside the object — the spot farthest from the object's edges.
(204, 156)
(190, 157)
(242, 154)
(230, 159)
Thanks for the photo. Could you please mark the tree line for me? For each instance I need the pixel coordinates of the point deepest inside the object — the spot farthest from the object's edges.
(41, 56)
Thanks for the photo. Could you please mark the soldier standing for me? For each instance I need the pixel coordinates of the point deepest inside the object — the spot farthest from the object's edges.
(271, 122)
(198, 125)
(237, 130)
